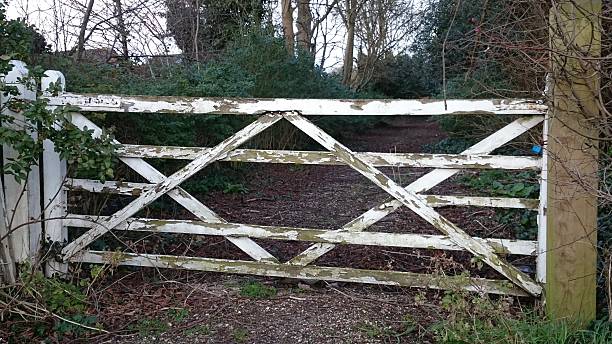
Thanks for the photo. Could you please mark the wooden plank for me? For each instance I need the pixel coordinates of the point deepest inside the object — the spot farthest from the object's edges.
(17, 194)
(408, 240)
(429, 180)
(135, 189)
(54, 195)
(34, 228)
(481, 250)
(474, 201)
(571, 280)
(307, 107)
(189, 202)
(171, 182)
(395, 278)
(326, 158)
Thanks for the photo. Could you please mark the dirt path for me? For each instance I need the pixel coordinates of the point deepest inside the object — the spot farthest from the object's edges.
(211, 307)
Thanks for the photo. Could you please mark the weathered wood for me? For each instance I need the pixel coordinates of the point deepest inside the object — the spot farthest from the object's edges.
(147, 193)
(9, 274)
(429, 180)
(172, 181)
(20, 197)
(543, 197)
(481, 250)
(408, 240)
(189, 202)
(474, 201)
(326, 158)
(307, 107)
(54, 195)
(396, 278)
(135, 189)
(573, 157)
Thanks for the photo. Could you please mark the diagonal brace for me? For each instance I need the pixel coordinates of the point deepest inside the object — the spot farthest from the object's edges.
(481, 250)
(171, 182)
(193, 205)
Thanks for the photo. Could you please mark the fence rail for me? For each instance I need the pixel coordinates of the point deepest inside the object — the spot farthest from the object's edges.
(306, 107)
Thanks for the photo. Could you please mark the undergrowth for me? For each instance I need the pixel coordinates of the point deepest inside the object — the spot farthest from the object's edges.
(51, 308)
(463, 132)
(479, 319)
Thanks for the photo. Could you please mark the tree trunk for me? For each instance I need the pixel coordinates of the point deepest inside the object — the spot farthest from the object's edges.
(81, 43)
(122, 30)
(287, 23)
(304, 26)
(347, 68)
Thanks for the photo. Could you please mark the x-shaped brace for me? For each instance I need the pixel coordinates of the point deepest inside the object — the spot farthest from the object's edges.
(482, 250)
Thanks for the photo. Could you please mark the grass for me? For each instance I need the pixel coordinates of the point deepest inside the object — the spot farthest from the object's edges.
(257, 290)
(203, 330)
(150, 326)
(529, 330)
(240, 335)
(389, 333)
(178, 314)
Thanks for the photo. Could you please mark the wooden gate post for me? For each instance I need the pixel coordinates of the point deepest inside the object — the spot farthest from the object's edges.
(22, 199)
(571, 260)
(54, 194)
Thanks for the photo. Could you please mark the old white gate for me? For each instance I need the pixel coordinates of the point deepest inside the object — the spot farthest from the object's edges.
(490, 250)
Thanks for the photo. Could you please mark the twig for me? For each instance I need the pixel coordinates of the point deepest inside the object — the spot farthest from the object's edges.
(78, 324)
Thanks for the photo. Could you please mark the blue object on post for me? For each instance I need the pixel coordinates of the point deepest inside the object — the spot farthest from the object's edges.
(537, 149)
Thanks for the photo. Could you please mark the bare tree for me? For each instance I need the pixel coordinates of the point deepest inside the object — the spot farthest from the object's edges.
(349, 16)
(383, 28)
(310, 18)
(304, 26)
(287, 24)
(83, 29)
(122, 30)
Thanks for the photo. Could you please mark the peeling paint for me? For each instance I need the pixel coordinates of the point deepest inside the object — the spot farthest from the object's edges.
(408, 240)
(364, 164)
(307, 107)
(396, 278)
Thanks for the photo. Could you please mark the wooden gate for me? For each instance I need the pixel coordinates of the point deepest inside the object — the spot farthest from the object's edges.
(270, 111)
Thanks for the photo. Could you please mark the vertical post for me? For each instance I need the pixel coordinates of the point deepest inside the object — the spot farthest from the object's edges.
(542, 208)
(22, 202)
(572, 162)
(54, 177)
